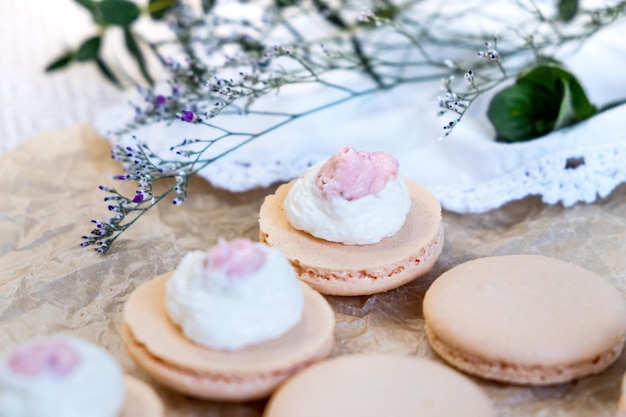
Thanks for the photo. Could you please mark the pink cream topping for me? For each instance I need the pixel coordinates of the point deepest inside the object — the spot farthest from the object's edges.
(56, 358)
(352, 174)
(237, 258)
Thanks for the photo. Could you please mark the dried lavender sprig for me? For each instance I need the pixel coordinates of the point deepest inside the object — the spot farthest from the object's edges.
(143, 166)
(147, 168)
(458, 102)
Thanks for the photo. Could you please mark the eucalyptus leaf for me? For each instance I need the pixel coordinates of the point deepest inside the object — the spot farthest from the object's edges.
(568, 9)
(159, 8)
(116, 12)
(135, 50)
(88, 50)
(61, 62)
(543, 99)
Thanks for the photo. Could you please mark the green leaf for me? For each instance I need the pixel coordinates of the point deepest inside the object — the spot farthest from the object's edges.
(159, 8)
(88, 50)
(61, 62)
(568, 9)
(207, 5)
(116, 12)
(329, 14)
(90, 5)
(583, 109)
(521, 112)
(104, 70)
(387, 12)
(283, 3)
(543, 99)
(133, 48)
(555, 78)
(567, 114)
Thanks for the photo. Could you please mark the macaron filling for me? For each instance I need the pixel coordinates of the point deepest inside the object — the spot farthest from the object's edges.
(60, 376)
(237, 294)
(354, 198)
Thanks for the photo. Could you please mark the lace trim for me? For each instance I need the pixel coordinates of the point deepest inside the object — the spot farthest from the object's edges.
(566, 178)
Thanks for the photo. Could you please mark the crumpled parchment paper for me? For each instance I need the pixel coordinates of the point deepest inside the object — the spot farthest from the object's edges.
(49, 284)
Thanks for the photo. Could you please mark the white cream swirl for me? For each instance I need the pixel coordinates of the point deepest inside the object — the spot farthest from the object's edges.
(365, 220)
(60, 376)
(224, 310)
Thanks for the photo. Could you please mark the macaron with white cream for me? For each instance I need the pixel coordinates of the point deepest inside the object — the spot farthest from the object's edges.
(228, 324)
(351, 225)
(63, 376)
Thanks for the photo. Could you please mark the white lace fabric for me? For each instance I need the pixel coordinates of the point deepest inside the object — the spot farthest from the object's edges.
(578, 164)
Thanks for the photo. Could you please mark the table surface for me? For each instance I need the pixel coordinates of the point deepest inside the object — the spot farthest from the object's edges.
(49, 284)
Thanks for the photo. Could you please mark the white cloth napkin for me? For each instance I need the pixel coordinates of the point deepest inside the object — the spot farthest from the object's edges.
(467, 171)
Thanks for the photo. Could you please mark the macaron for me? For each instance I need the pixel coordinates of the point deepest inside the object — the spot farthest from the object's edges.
(525, 319)
(63, 375)
(253, 372)
(621, 405)
(140, 399)
(338, 269)
(374, 385)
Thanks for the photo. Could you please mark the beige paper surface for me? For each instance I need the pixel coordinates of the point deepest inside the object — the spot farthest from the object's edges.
(49, 284)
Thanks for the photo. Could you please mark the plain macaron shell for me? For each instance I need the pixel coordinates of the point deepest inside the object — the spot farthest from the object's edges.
(525, 319)
(140, 400)
(374, 385)
(621, 405)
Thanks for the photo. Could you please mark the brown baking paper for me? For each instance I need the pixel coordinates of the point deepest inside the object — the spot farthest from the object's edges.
(49, 284)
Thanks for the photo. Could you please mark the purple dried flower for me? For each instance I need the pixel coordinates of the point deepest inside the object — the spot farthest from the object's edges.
(159, 100)
(138, 198)
(188, 116)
